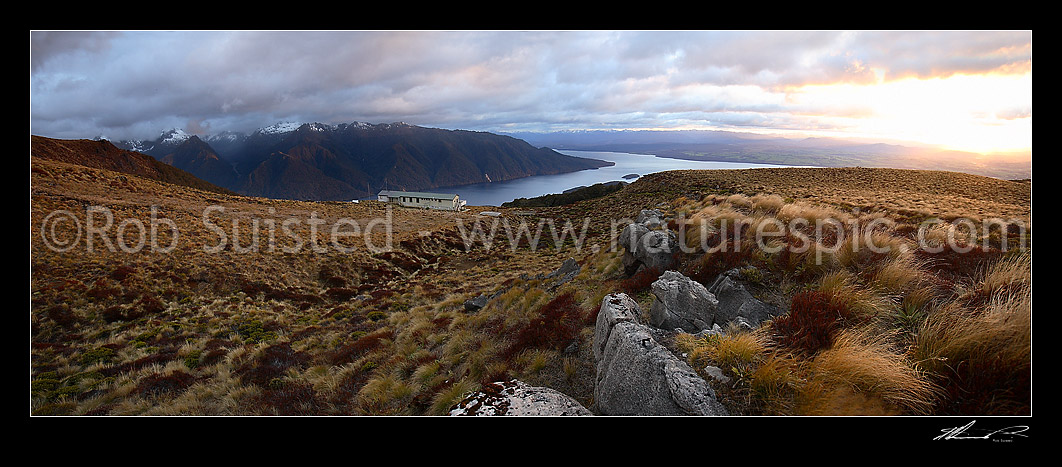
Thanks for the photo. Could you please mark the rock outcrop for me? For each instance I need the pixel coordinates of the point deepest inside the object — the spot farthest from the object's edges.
(681, 303)
(651, 218)
(647, 247)
(737, 304)
(565, 273)
(636, 375)
(474, 304)
(516, 398)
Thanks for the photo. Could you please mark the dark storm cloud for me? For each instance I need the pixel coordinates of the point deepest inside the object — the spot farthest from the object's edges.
(46, 45)
(136, 84)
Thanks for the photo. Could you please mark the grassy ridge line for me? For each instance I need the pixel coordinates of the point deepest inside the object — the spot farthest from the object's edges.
(104, 155)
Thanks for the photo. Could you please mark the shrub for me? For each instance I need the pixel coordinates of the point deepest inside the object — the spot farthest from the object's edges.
(287, 398)
(150, 305)
(253, 331)
(192, 360)
(711, 264)
(98, 355)
(121, 272)
(62, 315)
(811, 322)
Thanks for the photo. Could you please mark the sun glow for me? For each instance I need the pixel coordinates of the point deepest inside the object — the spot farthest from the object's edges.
(977, 113)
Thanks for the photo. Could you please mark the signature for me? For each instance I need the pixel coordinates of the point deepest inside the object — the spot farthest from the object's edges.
(964, 432)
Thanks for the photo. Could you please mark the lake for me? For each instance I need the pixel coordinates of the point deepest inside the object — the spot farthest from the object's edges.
(494, 194)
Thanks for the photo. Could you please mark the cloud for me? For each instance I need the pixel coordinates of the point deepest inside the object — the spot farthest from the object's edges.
(138, 83)
(47, 45)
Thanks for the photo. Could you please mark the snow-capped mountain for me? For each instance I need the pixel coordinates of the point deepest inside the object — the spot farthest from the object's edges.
(326, 162)
(170, 139)
(278, 128)
(175, 136)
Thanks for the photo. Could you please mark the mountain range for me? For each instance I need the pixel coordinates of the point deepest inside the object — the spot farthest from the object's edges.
(315, 161)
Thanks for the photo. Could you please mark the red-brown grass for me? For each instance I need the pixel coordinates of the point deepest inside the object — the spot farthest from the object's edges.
(271, 364)
(288, 398)
(811, 323)
(363, 345)
(557, 325)
(158, 384)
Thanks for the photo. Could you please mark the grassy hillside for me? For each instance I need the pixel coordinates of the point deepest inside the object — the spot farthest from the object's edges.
(315, 323)
(104, 155)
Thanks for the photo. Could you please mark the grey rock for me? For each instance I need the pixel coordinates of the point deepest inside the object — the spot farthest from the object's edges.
(516, 398)
(716, 374)
(650, 218)
(658, 248)
(475, 304)
(743, 323)
(630, 263)
(615, 308)
(566, 272)
(645, 246)
(653, 249)
(631, 234)
(735, 301)
(715, 331)
(680, 302)
(635, 375)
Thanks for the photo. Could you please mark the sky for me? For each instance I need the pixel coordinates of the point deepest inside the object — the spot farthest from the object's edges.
(964, 90)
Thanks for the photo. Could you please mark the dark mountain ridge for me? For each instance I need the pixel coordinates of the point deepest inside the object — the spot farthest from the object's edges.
(104, 155)
(324, 162)
(198, 158)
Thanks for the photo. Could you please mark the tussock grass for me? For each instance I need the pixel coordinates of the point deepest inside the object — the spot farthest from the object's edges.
(812, 213)
(1011, 274)
(443, 401)
(842, 289)
(767, 203)
(739, 200)
(982, 356)
(898, 275)
(739, 350)
(765, 380)
(865, 362)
